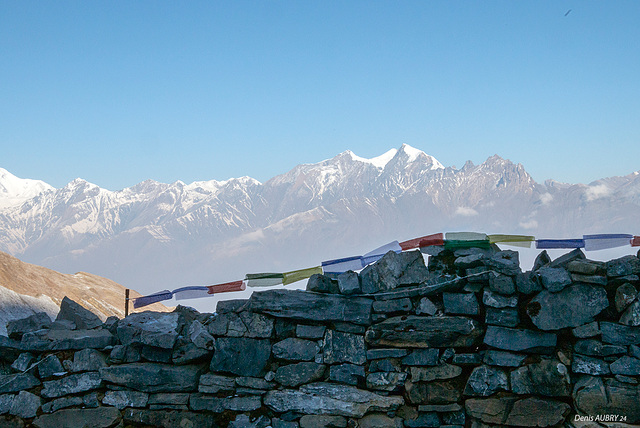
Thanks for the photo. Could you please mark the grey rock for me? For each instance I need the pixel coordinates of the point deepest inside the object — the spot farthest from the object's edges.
(349, 328)
(152, 377)
(200, 337)
(349, 283)
(554, 279)
(322, 421)
(310, 331)
(585, 267)
(385, 365)
(505, 262)
(279, 423)
(88, 360)
(573, 306)
(241, 356)
(485, 381)
(293, 375)
(460, 303)
(424, 420)
(159, 329)
(90, 400)
(242, 404)
(502, 284)
(349, 374)
(211, 383)
(334, 399)
(526, 284)
(379, 353)
(174, 398)
(496, 300)
(548, 378)
(5, 403)
(64, 325)
(394, 270)
(294, 349)
(594, 396)
(101, 417)
(23, 362)
(342, 347)
(38, 321)
(627, 265)
(385, 381)
(155, 354)
(589, 365)
(310, 307)
(625, 295)
(49, 366)
(393, 305)
(564, 260)
(626, 366)
(596, 348)
(167, 418)
(200, 402)
(17, 382)
(72, 384)
(618, 334)
(62, 403)
(254, 383)
(440, 372)
(188, 353)
(425, 332)
(631, 315)
(503, 358)
(123, 399)
(63, 340)
(426, 306)
(437, 392)
(468, 359)
(422, 357)
(587, 330)
(510, 339)
(322, 284)
(526, 412)
(542, 259)
(244, 421)
(590, 279)
(469, 261)
(25, 405)
(83, 318)
(380, 420)
(506, 317)
(233, 305)
(124, 354)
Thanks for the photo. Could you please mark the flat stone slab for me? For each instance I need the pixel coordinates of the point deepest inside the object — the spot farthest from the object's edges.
(100, 417)
(71, 384)
(306, 306)
(595, 396)
(529, 412)
(152, 377)
(150, 328)
(511, 339)
(425, 332)
(574, 306)
(332, 399)
(167, 418)
(64, 340)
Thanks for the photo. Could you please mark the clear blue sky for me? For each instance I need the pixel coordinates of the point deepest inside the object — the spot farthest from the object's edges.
(117, 92)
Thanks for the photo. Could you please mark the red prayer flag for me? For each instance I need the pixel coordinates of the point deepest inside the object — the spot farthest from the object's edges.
(425, 241)
(227, 287)
(635, 242)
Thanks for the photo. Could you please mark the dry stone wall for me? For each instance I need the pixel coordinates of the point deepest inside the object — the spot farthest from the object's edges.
(469, 340)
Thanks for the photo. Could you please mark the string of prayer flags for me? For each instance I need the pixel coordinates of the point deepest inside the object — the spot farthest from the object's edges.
(606, 241)
(342, 265)
(152, 298)
(264, 279)
(436, 239)
(299, 275)
(375, 255)
(523, 241)
(455, 240)
(547, 244)
(227, 287)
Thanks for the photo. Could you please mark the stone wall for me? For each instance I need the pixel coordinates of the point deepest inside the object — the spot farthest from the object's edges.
(468, 340)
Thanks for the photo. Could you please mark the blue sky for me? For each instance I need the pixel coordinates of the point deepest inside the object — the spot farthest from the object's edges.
(118, 92)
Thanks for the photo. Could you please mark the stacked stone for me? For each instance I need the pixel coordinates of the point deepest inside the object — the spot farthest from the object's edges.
(469, 340)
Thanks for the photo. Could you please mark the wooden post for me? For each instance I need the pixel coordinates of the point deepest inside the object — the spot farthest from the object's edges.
(126, 302)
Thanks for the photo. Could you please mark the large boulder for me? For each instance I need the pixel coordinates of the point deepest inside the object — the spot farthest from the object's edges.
(81, 317)
(548, 378)
(333, 399)
(425, 332)
(595, 396)
(241, 356)
(38, 321)
(306, 306)
(394, 270)
(158, 329)
(152, 377)
(573, 306)
(528, 412)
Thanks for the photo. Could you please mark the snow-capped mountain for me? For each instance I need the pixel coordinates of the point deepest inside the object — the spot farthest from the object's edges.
(154, 235)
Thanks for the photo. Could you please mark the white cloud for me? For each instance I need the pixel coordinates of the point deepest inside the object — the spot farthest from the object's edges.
(546, 198)
(466, 211)
(529, 224)
(596, 192)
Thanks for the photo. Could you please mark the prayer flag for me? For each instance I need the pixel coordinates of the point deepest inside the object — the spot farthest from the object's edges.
(375, 255)
(515, 240)
(343, 265)
(299, 275)
(635, 242)
(152, 298)
(605, 241)
(466, 236)
(227, 287)
(559, 243)
(424, 241)
(456, 244)
(264, 279)
(191, 292)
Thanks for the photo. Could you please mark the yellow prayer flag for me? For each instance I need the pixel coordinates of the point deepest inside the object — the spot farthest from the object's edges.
(299, 275)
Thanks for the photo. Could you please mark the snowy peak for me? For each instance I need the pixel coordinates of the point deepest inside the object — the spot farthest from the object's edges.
(14, 191)
(404, 155)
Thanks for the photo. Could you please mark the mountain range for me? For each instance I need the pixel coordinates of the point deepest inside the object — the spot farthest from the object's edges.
(154, 235)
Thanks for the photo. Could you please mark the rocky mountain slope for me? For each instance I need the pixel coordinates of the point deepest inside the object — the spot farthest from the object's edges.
(154, 235)
(26, 289)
